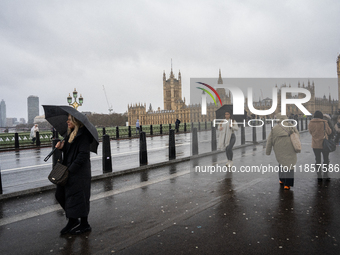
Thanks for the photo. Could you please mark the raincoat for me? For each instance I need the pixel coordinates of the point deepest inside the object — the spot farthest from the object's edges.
(225, 134)
(280, 142)
(317, 129)
(74, 197)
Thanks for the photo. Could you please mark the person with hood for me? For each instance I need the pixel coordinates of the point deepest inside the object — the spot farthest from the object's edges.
(279, 140)
(74, 197)
(33, 134)
(227, 137)
(319, 129)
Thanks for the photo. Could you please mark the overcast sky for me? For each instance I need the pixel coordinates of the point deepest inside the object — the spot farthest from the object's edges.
(48, 48)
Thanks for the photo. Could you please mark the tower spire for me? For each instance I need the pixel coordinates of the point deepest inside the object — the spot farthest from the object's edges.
(220, 81)
(171, 74)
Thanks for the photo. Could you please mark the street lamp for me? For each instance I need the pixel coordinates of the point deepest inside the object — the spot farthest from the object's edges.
(75, 104)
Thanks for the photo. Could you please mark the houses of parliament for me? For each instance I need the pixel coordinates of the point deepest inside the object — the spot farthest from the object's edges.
(176, 108)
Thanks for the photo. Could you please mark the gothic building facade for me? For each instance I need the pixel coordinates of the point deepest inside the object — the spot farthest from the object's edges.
(175, 107)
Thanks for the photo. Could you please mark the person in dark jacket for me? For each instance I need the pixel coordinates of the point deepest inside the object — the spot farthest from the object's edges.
(74, 197)
(319, 129)
(330, 124)
(337, 130)
(177, 125)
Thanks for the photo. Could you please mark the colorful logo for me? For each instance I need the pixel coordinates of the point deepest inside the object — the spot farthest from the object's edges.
(213, 90)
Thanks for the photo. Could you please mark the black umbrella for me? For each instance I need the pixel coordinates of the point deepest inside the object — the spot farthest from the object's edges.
(57, 116)
(220, 113)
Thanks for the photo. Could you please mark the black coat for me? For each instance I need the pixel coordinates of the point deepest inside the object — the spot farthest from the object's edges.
(74, 197)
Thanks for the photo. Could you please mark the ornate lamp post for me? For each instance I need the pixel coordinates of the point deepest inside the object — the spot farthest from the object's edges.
(75, 104)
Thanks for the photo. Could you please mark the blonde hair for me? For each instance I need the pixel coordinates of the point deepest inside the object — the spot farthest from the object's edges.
(77, 124)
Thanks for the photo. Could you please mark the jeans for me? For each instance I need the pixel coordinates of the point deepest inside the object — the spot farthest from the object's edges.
(324, 168)
(287, 177)
(229, 148)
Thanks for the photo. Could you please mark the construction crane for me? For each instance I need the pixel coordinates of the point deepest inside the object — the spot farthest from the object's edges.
(110, 107)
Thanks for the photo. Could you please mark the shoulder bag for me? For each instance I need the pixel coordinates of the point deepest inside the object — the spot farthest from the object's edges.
(328, 144)
(294, 138)
(59, 174)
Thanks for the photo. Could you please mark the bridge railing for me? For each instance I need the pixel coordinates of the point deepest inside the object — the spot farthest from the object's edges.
(8, 140)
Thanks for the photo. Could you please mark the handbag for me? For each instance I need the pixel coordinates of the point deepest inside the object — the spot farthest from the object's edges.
(328, 145)
(59, 174)
(295, 139)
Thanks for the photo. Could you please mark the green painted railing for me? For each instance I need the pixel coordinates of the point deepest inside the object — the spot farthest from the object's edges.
(7, 140)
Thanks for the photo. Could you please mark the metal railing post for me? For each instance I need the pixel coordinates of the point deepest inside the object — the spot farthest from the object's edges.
(194, 142)
(106, 158)
(172, 146)
(143, 154)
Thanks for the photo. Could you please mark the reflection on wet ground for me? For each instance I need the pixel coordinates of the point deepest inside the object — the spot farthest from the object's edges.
(175, 210)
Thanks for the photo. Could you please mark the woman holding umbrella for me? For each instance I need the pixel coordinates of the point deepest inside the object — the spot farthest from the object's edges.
(74, 197)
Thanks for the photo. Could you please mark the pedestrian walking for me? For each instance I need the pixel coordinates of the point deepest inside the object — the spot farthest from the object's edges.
(319, 129)
(279, 141)
(337, 131)
(33, 134)
(137, 126)
(74, 197)
(227, 138)
(330, 124)
(177, 125)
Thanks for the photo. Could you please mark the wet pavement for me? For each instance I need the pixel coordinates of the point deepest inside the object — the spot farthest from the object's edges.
(174, 210)
(26, 169)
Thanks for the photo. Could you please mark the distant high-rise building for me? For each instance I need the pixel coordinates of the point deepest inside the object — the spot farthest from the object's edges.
(10, 122)
(32, 108)
(2, 114)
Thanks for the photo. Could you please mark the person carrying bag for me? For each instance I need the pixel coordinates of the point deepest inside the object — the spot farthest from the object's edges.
(319, 129)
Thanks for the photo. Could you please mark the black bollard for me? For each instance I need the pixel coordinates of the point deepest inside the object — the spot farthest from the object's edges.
(185, 127)
(243, 135)
(117, 132)
(172, 147)
(213, 139)
(264, 129)
(140, 128)
(106, 158)
(161, 129)
(104, 131)
(199, 126)
(169, 128)
(16, 142)
(151, 130)
(37, 142)
(254, 134)
(143, 154)
(0, 181)
(129, 131)
(57, 153)
(301, 124)
(194, 142)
